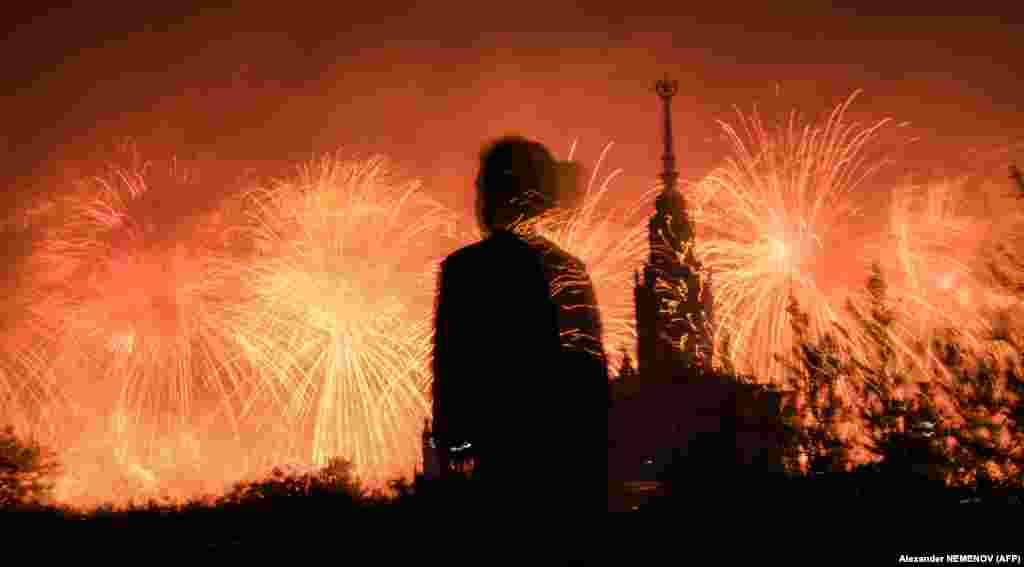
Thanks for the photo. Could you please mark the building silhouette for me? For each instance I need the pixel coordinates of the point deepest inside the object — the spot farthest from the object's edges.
(672, 294)
(674, 411)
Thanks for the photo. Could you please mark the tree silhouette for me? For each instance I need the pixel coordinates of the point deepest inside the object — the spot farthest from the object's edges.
(815, 374)
(26, 470)
(986, 397)
(917, 444)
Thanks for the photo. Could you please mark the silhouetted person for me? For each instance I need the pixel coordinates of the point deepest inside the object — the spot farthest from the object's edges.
(519, 370)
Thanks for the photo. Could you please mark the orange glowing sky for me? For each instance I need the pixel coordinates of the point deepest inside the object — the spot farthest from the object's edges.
(269, 88)
(427, 85)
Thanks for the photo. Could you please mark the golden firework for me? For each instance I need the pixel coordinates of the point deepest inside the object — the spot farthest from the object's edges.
(338, 313)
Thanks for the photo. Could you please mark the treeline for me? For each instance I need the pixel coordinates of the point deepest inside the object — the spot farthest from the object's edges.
(874, 424)
(962, 426)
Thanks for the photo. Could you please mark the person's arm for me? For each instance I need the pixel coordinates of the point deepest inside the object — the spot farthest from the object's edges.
(582, 327)
(587, 373)
(441, 364)
(595, 368)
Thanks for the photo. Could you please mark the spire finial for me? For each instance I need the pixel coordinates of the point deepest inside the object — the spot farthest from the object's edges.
(1016, 175)
(666, 87)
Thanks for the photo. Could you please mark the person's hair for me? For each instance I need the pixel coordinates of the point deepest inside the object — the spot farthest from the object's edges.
(517, 181)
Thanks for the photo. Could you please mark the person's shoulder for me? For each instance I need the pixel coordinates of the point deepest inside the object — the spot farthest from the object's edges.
(554, 254)
(488, 249)
(467, 251)
(557, 252)
(464, 255)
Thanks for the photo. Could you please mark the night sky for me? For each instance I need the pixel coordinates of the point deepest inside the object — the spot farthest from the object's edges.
(428, 85)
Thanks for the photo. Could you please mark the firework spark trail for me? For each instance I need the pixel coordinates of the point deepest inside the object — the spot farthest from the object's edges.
(998, 263)
(611, 242)
(339, 314)
(29, 398)
(780, 218)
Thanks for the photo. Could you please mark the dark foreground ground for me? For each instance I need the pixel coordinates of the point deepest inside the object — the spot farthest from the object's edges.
(302, 515)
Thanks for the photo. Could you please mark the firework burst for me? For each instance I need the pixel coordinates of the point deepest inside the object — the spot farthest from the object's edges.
(939, 254)
(139, 306)
(783, 218)
(338, 318)
(933, 244)
(788, 215)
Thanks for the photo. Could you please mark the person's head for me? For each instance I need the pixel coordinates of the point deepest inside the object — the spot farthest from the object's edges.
(517, 182)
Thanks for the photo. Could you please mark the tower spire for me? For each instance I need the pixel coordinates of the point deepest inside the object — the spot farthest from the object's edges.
(672, 300)
(666, 89)
(671, 230)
